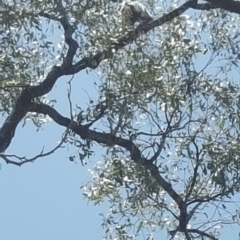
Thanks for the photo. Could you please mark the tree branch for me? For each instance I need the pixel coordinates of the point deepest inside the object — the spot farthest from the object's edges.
(229, 5)
(201, 233)
(109, 139)
(23, 160)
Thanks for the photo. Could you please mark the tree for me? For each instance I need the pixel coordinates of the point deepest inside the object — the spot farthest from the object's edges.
(167, 112)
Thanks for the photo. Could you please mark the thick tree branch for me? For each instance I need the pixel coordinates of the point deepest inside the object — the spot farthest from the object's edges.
(68, 31)
(109, 139)
(204, 6)
(22, 104)
(229, 5)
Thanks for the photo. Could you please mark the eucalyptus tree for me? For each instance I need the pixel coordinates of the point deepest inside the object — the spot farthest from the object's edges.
(166, 113)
